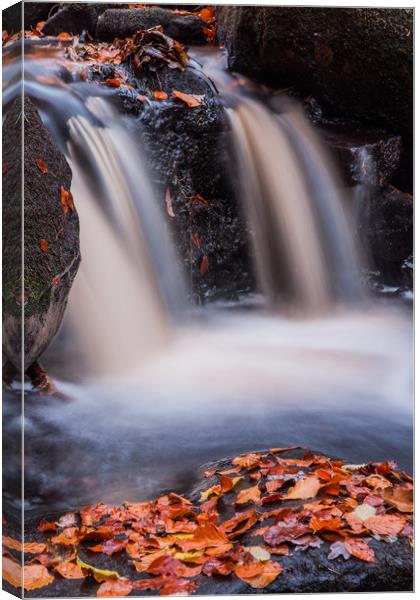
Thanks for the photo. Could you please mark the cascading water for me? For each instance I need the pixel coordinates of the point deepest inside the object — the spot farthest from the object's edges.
(258, 378)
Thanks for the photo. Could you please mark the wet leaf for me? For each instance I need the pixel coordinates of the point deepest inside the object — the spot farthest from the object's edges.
(258, 552)
(385, 524)
(240, 523)
(63, 35)
(56, 280)
(68, 537)
(248, 461)
(333, 524)
(160, 95)
(66, 200)
(205, 536)
(44, 245)
(399, 497)
(191, 100)
(32, 576)
(47, 526)
(99, 574)
(70, 570)
(364, 511)
(252, 494)
(285, 532)
(67, 520)
(114, 588)
(260, 576)
(359, 549)
(308, 487)
(42, 167)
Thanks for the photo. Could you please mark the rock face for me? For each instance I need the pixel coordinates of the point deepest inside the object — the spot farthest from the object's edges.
(34, 12)
(122, 23)
(51, 236)
(358, 61)
(75, 18)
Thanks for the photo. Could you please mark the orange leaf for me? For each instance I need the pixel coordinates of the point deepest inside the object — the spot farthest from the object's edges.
(191, 100)
(204, 265)
(207, 14)
(160, 95)
(259, 576)
(252, 494)
(36, 576)
(68, 537)
(248, 461)
(44, 245)
(114, 587)
(385, 524)
(113, 82)
(66, 200)
(307, 487)
(399, 497)
(205, 536)
(332, 524)
(56, 280)
(63, 35)
(358, 548)
(41, 165)
(70, 570)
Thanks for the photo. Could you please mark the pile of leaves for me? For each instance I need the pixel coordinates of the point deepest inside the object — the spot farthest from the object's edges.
(261, 508)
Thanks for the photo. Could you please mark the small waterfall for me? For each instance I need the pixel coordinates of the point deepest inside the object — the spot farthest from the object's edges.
(304, 252)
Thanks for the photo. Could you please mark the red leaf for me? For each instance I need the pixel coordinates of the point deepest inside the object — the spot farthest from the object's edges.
(204, 265)
(41, 165)
(44, 245)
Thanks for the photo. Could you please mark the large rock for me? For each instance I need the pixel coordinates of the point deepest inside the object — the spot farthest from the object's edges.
(34, 12)
(51, 236)
(125, 23)
(359, 61)
(74, 18)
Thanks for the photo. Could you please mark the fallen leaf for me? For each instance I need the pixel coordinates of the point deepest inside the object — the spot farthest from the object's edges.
(66, 200)
(44, 245)
(399, 497)
(260, 576)
(240, 523)
(56, 280)
(248, 461)
(113, 82)
(191, 100)
(67, 520)
(68, 537)
(70, 570)
(252, 494)
(359, 549)
(41, 166)
(364, 511)
(47, 526)
(160, 95)
(308, 487)
(285, 532)
(99, 574)
(4, 168)
(338, 549)
(332, 524)
(258, 552)
(204, 265)
(205, 536)
(385, 524)
(168, 202)
(115, 588)
(63, 35)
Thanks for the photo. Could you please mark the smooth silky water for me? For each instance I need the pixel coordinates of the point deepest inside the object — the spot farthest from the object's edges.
(152, 387)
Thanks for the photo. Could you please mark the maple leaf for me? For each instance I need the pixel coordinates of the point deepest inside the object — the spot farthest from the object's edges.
(191, 100)
(42, 167)
(359, 549)
(114, 588)
(160, 95)
(307, 487)
(252, 494)
(259, 575)
(66, 200)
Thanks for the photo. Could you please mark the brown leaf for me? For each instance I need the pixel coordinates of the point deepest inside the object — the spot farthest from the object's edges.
(359, 548)
(70, 570)
(41, 165)
(47, 526)
(66, 200)
(252, 494)
(248, 461)
(285, 532)
(44, 245)
(308, 487)
(205, 536)
(28, 547)
(259, 575)
(191, 100)
(239, 523)
(385, 524)
(399, 497)
(160, 95)
(68, 537)
(204, 265)
(114, 588)
(4, 168)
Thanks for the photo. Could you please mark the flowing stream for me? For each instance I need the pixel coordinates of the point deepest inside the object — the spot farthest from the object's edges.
(155, 387)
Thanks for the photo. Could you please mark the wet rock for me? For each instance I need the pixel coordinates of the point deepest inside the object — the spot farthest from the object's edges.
(51, 237)
(187, 149)
(34, 12)
(122, 23)
(364, 156)
(358, 61)
(74, 18)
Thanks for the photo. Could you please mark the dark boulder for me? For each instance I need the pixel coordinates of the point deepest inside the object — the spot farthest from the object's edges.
(358, 61)
(34, 12)
(74, 18)
(124, 23)
(363, 155)
(51, 236)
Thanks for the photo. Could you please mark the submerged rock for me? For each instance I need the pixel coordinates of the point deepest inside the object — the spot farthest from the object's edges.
(358, 61)
(51, 236)
(122, 23)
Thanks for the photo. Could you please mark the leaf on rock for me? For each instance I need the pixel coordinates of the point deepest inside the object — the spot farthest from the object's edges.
(168, 202)
(308, 487)
(113, 82)
(47, 526)
(205, 536)
(332, 524)
(70, 570)
(66, 200)
(160, 95)
(12, 571)
(44, 245)
(68, 537)
(99, 574)
(258, 552)
(400, 498)
(285, 532)
(191, 100)
(385, 524)
(259, 575)
(252, 494)
(63, 35)
(114, 588)
(359, 549)
(41, 166)
(248, 461)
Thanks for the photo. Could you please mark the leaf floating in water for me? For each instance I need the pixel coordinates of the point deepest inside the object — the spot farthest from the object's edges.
(41, 166)
(44, 245)
(191, 100)
(66, 200)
